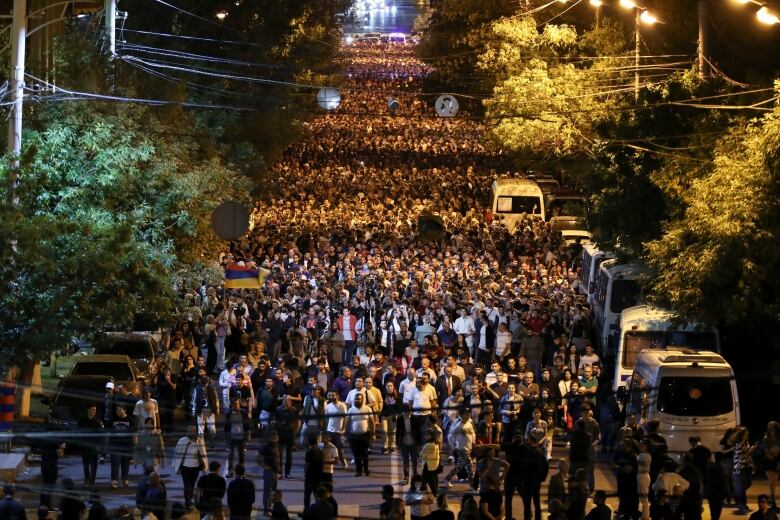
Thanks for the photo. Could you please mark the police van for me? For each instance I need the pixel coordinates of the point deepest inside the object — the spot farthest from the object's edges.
(688, 392)
(513, 198)
(648, 327)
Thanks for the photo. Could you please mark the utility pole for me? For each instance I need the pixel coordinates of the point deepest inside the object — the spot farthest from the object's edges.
(18, 49)
(702, 47)
(110, 14)
(638, 41)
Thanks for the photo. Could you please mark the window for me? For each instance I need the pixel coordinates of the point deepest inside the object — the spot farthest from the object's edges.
(625, 293)
(117, 371)
(695, 396)
(587, 260)
(601, 289)
(518, 204)
(566, 208)
(131, 349)
(635, 341)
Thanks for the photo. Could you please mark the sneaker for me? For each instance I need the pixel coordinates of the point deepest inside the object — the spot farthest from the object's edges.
(450, 460)
(449, 483)
(126, 483)
(114, 484)
(102, 460)
(288, 477)
(345, 463)
(352, 461)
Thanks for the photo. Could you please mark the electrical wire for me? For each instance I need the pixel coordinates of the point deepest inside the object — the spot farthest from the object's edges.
(193, 38)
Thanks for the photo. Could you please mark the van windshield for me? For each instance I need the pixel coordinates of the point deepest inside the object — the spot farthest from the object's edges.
(518, 204)
(634, 341)
(565, 208)
(695, 396)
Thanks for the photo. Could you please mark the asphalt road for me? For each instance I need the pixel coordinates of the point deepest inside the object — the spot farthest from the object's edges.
(357, 496)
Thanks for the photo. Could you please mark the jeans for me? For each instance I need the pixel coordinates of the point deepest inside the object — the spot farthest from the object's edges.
(742, 482)
(236, 445)
(349, 351)
(512, 484)
(269, 484)
(189, 476)
(286, 443)
(407, 453)
(359, 444)
(309, 486)
(120, 465)
(220, 365)
(89, 462)
(431, 479)
(335, 439)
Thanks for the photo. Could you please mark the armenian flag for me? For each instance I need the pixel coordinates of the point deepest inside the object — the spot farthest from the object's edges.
(242, 277)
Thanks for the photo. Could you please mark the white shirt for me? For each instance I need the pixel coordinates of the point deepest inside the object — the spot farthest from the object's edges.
(144, 412)
(347, 328)
(466, 327)
(405, 388)
(329, 455)
(492, 378)
(359, 418)
(423, 400)
(335, 414)
(367, 398)
(587, 360)
(503, 342)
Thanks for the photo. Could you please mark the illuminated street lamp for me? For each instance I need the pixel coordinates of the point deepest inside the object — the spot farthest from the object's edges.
(766, 16)
(222, 15)
(596, 3)
(643, 16)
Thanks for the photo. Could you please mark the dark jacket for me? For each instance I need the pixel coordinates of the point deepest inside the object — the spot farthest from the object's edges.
(441, 387)
(240, 497)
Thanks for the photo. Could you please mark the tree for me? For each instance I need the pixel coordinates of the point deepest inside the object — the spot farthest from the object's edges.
(547, 100)
(456, 34)
(719, 261)
(112, 200)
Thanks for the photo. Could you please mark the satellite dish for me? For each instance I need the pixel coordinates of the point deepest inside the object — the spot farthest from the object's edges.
(230, 220)
(393, 105)
(447, 105)
(430, 228)
(329, 98)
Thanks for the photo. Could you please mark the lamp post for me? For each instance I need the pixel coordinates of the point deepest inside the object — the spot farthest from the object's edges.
(642, 16)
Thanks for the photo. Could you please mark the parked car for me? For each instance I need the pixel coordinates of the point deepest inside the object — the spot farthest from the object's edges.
(118, 368)
(141, 348)
(86, 384)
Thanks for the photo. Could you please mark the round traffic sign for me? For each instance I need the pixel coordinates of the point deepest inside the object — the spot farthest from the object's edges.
(447, 105)
(329, 98)
(230, 220)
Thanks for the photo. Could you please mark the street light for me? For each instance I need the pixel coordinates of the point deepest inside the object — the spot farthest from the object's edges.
(647, 18)
(596, 3)
(766, 16)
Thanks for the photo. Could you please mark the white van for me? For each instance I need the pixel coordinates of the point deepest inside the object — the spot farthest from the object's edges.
(513, 198)
(618, 287)
(647, 327)
(688, 392)
(592, 258)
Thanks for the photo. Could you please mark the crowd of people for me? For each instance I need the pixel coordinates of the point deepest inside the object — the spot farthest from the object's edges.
(467, 356)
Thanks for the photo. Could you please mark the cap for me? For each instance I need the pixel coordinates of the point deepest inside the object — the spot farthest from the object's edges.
(110, 385)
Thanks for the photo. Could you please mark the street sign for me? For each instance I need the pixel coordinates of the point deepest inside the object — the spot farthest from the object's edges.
(447, 105)
(230, 220)
(329, 98)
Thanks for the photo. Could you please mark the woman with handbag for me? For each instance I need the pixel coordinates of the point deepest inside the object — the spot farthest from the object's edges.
(189, 459)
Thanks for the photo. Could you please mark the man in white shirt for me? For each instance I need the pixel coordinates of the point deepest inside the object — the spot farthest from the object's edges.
(496, 376)
(407, 386)
(359, 389)
(146, 407)
(424, 403)
(426, 368)
(588, 358)
(465, 325)
(360, 426)
(336, 412)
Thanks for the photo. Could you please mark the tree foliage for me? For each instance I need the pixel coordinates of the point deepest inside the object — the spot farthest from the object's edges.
(719, 262)
(457, 33)
(113, 199)
(549, 96)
